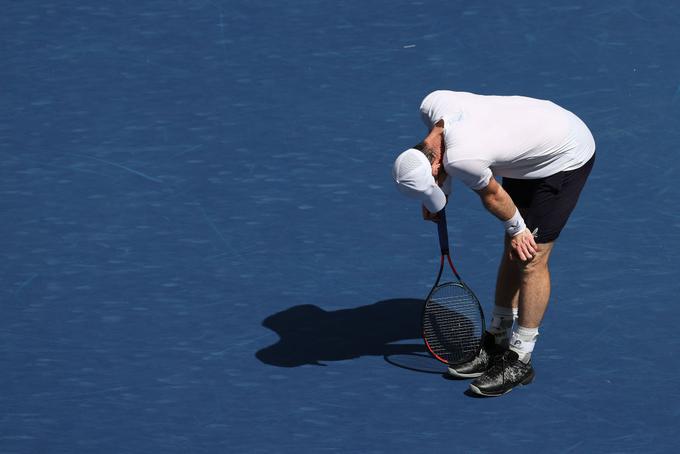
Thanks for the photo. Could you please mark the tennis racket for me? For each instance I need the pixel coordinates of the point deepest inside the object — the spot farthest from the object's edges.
(453, 321)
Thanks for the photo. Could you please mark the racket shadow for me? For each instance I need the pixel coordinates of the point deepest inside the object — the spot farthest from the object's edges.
(311, 335)
(417, 362)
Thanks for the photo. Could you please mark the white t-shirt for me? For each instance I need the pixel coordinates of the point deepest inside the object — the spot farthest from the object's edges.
(507, 136)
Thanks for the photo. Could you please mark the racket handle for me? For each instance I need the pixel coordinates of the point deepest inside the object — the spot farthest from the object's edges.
(443, 231)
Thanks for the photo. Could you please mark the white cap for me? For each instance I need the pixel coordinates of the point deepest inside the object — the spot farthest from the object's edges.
(413, 174)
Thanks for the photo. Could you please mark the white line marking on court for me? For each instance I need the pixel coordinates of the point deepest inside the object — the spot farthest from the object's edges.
(120, 166)
(26, 283)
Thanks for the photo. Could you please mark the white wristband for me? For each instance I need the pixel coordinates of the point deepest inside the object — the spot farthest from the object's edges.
(515, 225)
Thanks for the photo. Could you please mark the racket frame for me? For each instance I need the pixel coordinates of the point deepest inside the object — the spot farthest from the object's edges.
(443, 234)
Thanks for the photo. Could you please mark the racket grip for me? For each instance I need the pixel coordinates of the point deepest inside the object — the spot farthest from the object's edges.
(443, 231)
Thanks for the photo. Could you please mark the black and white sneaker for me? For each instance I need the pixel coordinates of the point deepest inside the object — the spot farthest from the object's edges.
(481, 363)
(505, 373)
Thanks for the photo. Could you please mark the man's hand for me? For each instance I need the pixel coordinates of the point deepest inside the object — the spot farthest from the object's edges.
(523, 246)
(428, 216)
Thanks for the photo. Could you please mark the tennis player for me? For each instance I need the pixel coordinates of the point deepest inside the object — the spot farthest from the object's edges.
(544, 154)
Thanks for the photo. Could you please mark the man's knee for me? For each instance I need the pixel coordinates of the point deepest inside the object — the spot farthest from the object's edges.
(540, 261)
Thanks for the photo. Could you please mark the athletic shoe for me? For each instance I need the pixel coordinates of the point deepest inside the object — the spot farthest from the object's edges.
(506, 372)
(480, 364)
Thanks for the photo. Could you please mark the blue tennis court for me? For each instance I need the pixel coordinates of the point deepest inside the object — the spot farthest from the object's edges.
(204, 251)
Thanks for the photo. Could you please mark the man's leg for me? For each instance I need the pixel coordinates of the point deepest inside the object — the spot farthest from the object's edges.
(513, 367)
(534, 291)
(534, 295)
(525, 286)
(500, 328)
(506, 298)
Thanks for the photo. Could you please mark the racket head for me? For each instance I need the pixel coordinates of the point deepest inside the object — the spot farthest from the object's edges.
(453, 323)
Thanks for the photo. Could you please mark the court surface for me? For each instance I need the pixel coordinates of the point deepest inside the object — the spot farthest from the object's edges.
(203, 250)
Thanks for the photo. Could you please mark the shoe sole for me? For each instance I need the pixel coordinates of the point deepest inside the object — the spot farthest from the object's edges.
(524, 382)
(455, 373)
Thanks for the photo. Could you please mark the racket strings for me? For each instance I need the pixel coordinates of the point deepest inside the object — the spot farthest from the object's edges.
(453, 324)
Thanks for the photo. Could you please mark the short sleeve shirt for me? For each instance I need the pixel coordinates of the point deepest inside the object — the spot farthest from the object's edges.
(507, 136)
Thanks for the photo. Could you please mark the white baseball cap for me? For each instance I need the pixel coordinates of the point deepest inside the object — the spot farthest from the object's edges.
(413, 174)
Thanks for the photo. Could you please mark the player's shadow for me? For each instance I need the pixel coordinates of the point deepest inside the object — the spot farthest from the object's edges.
(311, 335)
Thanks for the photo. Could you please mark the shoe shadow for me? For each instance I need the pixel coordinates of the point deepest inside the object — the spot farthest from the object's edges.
(311, 335)
(474, 395)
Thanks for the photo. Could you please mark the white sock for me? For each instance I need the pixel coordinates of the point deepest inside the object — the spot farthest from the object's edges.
(501, 323)
(523, 341)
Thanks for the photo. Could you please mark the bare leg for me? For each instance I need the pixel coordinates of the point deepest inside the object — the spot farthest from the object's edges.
(534, 292)
(508, 280)
(506, 301)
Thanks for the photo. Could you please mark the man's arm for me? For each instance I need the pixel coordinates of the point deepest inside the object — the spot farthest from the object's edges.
(500, 204)
(497, 201)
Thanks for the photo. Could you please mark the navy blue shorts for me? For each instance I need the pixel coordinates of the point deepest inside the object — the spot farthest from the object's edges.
(546, 203)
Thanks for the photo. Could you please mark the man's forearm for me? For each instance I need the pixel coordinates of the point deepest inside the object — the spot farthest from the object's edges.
(497, 201)
(501, 207)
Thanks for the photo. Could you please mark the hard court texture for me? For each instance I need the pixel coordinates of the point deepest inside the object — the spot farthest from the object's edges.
(203, 250)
